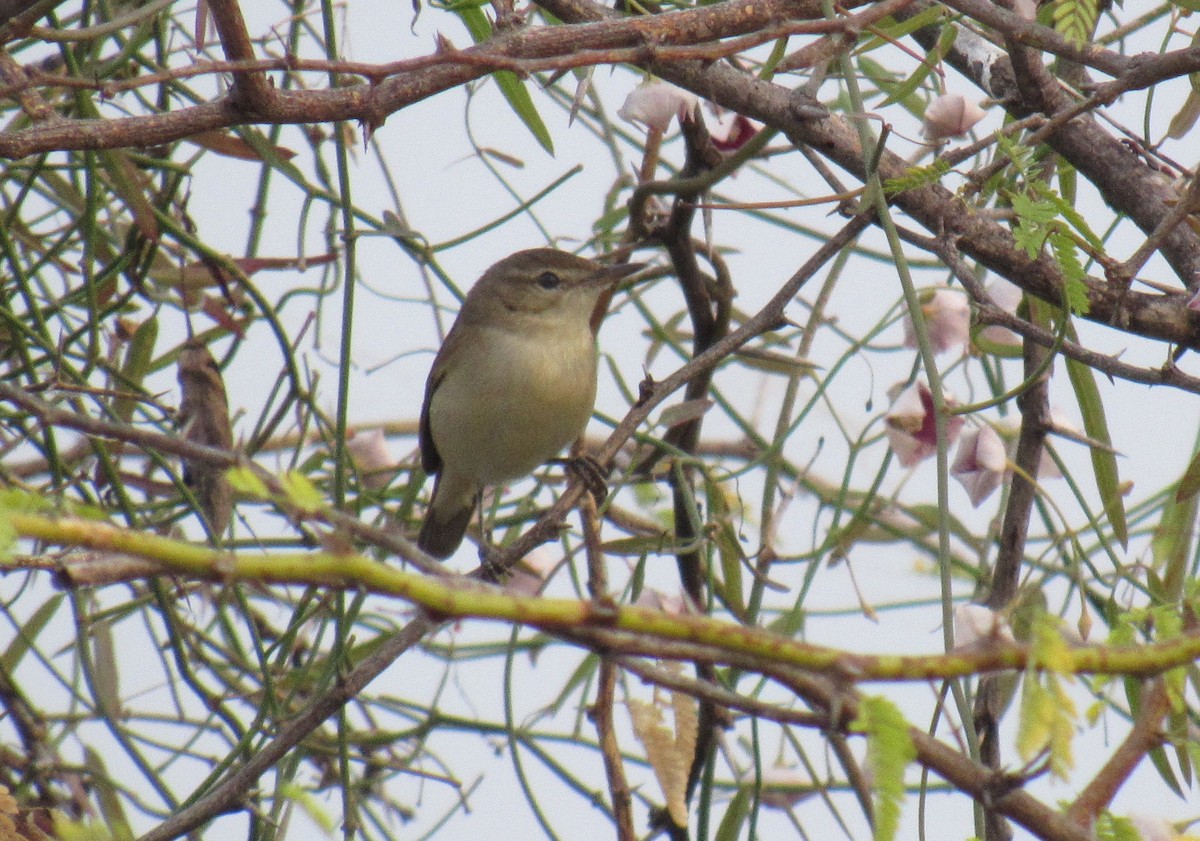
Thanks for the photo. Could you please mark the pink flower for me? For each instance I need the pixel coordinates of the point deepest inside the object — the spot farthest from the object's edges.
(1047, 468)
(980, 464)
(1007, 296)
(947, 317)
(912, 428)
(950, 115)
(673, 605)
(976, 625)
(1152, 827)
(371, 457)
(654, 104)
(733, 131)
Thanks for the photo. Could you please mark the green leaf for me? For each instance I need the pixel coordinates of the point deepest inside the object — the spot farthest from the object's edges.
(1002, 350)
(8, 535)
(135, 367)
(1033, 223)
(735, 817)
(1073, 217)
(888, 81)
(1075, 20)
(1110, 827)
(1158, 758)
(890, 750)
(108, 797)
(1074, 283)
(127, 182)
(1045, 724)
(514, 90)
(1104, 459)
(1050, 650)
(107, 679)
(909, 86)
(1190, 483)
(301, 492)
(85, 829)
(1068, 183)
(246, 482)
(583, 673)
(724, 535)
(917, 176)
(30, 629)
(26, 502)
(1171, 544)
(636, 547)
(1185, 118)
(309, 804)
(610, 220)
(894, 30)
(1047, 721)
(1037, 211)
(789, 623)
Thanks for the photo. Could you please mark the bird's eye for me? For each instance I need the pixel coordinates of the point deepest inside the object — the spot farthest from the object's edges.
(548, 280)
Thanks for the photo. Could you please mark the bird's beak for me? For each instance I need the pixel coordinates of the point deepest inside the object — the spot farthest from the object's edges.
(607, 277)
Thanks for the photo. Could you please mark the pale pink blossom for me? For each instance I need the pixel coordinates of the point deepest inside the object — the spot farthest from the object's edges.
(911, 425)
(947, 317)
(654, 104)
(369, 452)
(733, 131)
(1152, 827)
(1047, 467)
(1026, 9)
(950, 115)
(976, 625)
(530, 576)
(676, 604)
(1007, 296)
(980, 464)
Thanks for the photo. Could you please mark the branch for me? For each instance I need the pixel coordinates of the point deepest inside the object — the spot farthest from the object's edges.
(546, 47)
(251, 91)
(1144, 737)
(459, 597)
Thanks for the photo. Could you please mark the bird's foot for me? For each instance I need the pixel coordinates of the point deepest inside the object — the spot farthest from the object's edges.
(591, 473)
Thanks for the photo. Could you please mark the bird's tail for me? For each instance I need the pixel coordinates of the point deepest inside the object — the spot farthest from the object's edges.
(450, 509)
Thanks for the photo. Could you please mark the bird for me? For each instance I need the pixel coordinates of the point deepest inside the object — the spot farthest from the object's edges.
(513, 383)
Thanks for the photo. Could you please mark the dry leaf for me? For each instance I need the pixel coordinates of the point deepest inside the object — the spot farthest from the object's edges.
(232, 146)
(203, 274)
(681, 413)
(670, 754)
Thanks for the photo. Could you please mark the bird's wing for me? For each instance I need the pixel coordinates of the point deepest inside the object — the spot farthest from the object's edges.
(431, 459)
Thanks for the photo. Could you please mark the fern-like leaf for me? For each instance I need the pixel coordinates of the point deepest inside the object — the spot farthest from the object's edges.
(890, 750)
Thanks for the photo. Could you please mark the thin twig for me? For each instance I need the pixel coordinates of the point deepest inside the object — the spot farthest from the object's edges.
(601, 711)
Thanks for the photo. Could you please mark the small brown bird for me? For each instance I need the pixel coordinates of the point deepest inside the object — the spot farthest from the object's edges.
(514, 382)
(204, 415)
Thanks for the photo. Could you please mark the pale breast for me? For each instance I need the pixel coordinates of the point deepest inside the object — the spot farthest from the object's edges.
(510, 402)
